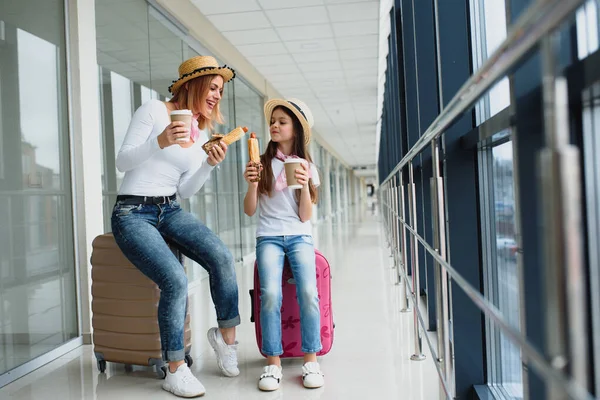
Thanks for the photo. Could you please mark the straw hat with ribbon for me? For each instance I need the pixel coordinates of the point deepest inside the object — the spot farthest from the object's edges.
(200, 66)
(298, 108)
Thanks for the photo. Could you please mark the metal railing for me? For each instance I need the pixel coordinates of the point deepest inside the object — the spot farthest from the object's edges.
(565, 281)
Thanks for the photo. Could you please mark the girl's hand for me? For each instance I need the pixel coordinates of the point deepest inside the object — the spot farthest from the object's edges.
(175, 130)
(217, 154)
(302, 175)
(251, 174)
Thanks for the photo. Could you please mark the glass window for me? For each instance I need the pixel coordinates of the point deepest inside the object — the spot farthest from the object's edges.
(315, 152)
(139, 52)
(325, 188)
(226, 179)
(587, 28)
(248, 112)
(591, 151)
(122, 111)
(488, 31)
(501, 276)
(123, 57)
(1, 129)
(167, 51)
(38, 301)
(148, 94)
(333, 189)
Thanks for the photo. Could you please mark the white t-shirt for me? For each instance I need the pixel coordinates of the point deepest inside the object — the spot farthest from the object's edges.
(152, 171)
(278, 214)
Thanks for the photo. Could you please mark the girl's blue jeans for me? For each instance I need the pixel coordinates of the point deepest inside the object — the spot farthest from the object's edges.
(270, 254)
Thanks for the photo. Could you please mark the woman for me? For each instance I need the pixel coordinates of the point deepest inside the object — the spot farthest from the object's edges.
(159, 164)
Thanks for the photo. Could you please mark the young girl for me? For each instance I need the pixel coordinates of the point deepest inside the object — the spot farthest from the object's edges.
(284, 230)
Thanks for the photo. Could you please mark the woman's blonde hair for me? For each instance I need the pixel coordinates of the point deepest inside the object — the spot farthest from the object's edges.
(191, 95)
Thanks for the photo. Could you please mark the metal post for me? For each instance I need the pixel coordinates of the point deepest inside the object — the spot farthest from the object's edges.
(437, 280)
(440, 273)
(395, 227)
(403, 250)
(414, 254)
(389, 213)
(390, 221)
(386, 212)
(393, 220)
(396, 222)
(566, 311)
(398, 230)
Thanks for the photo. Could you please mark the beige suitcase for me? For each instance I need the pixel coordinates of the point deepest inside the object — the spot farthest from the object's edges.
(125, 309)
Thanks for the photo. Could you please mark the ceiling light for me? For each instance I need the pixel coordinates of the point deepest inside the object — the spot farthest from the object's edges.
(310, 46)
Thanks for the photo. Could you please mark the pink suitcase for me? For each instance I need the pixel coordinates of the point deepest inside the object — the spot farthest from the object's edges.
(290, 311)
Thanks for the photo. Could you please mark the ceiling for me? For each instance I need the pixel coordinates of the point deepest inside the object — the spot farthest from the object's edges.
(324, 52)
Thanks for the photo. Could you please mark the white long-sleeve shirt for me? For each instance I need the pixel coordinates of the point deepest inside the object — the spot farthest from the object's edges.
(152, 171)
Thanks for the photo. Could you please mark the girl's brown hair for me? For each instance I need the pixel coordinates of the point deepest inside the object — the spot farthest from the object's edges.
(191, 95)
(265, 186)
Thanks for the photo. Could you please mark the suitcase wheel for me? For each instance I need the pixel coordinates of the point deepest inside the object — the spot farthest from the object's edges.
(161, 372)
(189, 360)
(128, 368)
(101, 365)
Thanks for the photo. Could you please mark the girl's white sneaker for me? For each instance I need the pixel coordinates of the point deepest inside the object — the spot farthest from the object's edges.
(270, 378)
(312, 377)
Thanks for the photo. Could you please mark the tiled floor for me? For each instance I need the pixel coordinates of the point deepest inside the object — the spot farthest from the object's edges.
(370, 358)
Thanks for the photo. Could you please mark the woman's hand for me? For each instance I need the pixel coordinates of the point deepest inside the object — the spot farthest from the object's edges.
(175, 130)
(251, 174)
(302, 175)
(217, 154)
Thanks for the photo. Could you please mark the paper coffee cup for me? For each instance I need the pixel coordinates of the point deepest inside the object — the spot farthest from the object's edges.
(184, 116)
(291, 165)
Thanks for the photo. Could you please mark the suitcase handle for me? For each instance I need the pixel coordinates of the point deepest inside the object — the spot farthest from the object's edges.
(251, 291)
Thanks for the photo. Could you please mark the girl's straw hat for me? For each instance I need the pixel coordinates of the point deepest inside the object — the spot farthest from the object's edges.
(200, 66)
(300, 110)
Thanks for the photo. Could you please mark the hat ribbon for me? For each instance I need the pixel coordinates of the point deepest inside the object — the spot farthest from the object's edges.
(299, 109)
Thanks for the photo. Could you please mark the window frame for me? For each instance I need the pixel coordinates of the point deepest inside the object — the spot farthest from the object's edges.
(490, 270)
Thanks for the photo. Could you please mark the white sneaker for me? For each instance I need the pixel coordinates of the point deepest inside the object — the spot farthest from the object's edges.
(183, 383)
(270, 378)
(312, 377)
(226, 353)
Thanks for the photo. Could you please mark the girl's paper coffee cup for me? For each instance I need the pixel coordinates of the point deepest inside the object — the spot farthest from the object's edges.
(291, 165)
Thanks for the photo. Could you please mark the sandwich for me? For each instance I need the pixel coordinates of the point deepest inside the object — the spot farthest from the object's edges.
(228, 139)
(254, 154)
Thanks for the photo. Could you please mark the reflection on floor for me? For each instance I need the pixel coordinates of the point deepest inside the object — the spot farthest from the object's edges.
(370, 358)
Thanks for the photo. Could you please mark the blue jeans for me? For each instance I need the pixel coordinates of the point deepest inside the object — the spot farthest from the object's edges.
(140, 231)
(300, 251)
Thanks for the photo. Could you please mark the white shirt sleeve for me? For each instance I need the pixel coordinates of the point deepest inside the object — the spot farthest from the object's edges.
(138, 145)
(193, 179)
(314, 172)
